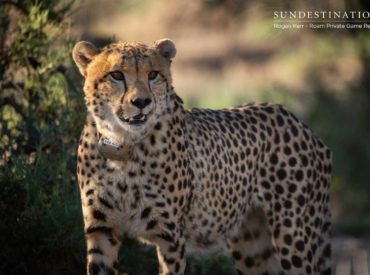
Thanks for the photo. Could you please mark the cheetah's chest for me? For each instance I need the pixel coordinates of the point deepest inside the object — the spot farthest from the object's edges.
(129, 189)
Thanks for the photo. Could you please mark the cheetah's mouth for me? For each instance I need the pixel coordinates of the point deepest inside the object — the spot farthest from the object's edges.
(137, 120)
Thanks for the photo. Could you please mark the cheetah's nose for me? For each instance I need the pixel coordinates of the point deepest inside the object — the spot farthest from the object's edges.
(141, 103)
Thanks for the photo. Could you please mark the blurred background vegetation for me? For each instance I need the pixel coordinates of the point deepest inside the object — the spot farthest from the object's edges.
(228, 53)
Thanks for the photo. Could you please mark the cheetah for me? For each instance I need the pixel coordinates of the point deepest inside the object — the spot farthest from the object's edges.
(252, 179)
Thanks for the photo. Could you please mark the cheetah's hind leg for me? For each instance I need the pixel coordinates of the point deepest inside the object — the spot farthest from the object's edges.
(252, 250)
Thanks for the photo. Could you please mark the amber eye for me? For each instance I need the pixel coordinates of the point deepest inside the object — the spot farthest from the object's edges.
(117, 75)
(152, 75)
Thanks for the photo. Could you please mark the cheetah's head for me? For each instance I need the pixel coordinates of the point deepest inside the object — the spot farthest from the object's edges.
(126, 86)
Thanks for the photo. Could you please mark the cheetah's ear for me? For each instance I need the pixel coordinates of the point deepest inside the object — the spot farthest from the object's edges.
(83, 52)
(166, 48)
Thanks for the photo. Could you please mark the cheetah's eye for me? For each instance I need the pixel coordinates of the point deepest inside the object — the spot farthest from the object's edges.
(153, 75)
(117, 75)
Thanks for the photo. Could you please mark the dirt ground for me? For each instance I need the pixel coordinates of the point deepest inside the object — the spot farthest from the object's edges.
(351, 256)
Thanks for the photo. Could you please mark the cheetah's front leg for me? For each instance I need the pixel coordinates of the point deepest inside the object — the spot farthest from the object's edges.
(103, 243)
(171, 253)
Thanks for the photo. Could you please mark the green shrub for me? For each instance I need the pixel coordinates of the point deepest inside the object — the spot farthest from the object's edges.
(41, 225)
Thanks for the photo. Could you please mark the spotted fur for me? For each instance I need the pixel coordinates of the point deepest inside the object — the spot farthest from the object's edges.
(251, 178)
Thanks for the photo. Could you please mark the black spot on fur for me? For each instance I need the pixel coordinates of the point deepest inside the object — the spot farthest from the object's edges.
(297, 262)
(97, 214)
(285, 264)
(94, 269)
(95, 251)
(151, 224)
(145, 213)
